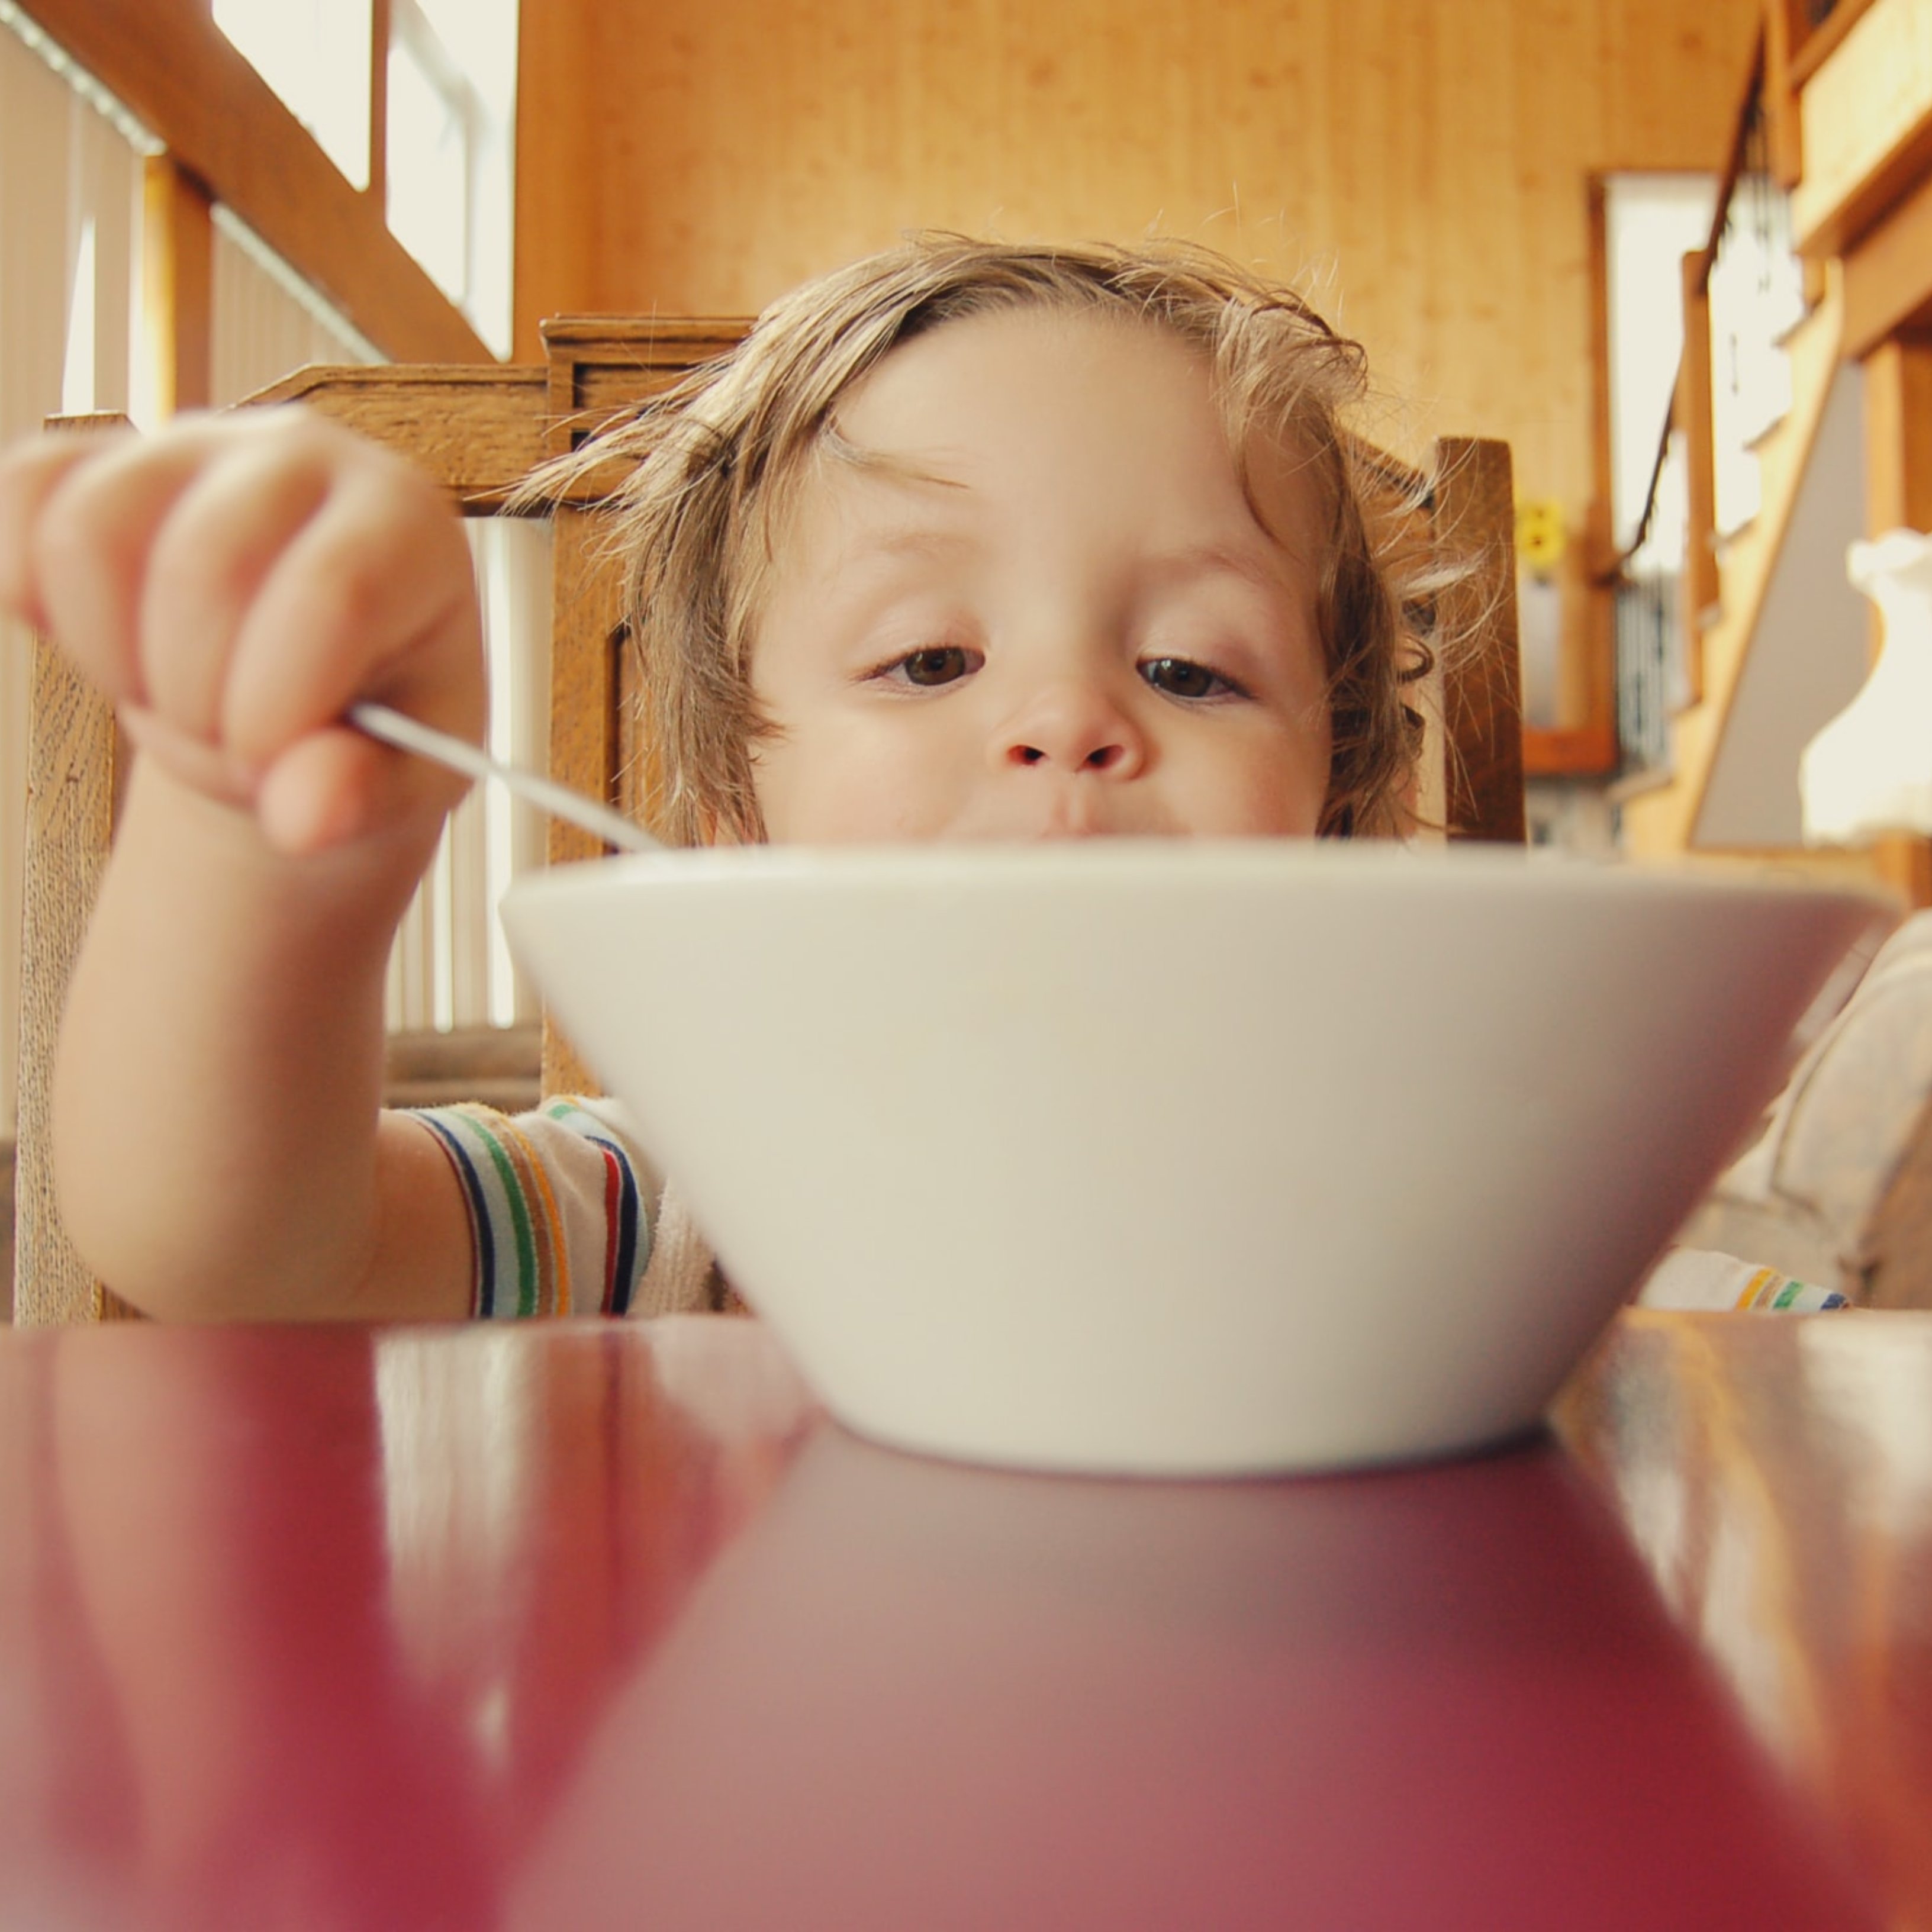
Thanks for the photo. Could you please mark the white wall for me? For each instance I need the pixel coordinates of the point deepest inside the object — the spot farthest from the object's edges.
(1810, 651)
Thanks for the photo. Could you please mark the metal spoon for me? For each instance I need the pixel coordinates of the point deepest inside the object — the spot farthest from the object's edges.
(411, 734)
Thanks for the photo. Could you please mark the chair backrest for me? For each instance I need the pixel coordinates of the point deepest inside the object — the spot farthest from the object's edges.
(480, 430)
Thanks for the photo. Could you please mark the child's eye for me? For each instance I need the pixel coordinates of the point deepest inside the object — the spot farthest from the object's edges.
(938, 663)
(1180, 677)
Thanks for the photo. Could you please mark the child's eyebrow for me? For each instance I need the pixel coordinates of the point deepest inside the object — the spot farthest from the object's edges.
(921, 543)
(1263, 567)
(1216, 560)
(883, 466)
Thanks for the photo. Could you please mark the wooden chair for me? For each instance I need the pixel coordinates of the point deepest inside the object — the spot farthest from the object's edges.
(480, 430)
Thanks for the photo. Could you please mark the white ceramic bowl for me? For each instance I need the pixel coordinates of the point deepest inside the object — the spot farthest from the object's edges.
(1181, 1157)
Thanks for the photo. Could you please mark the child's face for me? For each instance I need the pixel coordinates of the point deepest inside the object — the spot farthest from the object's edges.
(1049, 611)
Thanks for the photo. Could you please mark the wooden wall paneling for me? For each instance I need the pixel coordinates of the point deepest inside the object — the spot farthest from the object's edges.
(558, 201)
(175, 70)
(1542, 361)
(719, 152)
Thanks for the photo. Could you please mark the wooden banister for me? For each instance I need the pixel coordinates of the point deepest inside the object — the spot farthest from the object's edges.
(175, 71)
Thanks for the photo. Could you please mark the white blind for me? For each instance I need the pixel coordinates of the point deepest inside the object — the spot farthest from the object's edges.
(265, 321)
(451, 967)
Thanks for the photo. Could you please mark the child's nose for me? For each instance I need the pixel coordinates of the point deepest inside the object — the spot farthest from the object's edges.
(1073, 726)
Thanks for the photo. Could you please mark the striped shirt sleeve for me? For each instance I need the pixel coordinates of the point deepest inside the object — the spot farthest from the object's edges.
(560, 1205)
(1698, 1278)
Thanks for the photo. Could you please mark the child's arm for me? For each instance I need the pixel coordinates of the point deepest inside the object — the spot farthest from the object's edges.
(232, 586)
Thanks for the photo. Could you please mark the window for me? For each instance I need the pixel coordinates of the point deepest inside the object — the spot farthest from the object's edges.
(446, 171)
(315, 54)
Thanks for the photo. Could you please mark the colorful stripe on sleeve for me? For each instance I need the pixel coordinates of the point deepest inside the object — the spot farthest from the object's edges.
(554, 1200)
(626, 1233)
(1767, 1289)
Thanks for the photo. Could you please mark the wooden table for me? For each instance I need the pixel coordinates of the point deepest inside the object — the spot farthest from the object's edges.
(590, 1624)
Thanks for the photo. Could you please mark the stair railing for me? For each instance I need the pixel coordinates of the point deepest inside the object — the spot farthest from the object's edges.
(1742, 294)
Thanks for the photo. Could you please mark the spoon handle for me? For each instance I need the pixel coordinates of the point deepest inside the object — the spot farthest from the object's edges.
(411, 734)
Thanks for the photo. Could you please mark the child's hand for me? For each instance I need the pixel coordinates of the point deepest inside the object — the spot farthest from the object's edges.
(232, 585)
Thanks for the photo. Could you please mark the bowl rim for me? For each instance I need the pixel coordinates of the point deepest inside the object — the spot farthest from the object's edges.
(954, 866)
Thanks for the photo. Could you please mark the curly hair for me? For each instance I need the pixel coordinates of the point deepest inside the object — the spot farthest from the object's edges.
(709, 464)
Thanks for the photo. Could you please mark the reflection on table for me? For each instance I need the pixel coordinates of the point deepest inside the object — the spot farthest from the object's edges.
(602, 1623)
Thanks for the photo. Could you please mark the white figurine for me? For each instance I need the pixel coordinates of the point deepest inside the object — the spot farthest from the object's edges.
(1870, 769)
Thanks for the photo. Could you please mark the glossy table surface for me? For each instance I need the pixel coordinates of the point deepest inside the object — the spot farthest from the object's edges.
(586, 1623)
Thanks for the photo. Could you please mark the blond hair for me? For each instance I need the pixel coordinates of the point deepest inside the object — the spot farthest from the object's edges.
(696, 518)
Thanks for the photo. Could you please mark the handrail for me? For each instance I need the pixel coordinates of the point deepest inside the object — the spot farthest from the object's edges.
(1750, 116)
(1750, 119)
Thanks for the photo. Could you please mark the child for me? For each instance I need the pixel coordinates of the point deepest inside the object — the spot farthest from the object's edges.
(967, 540)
